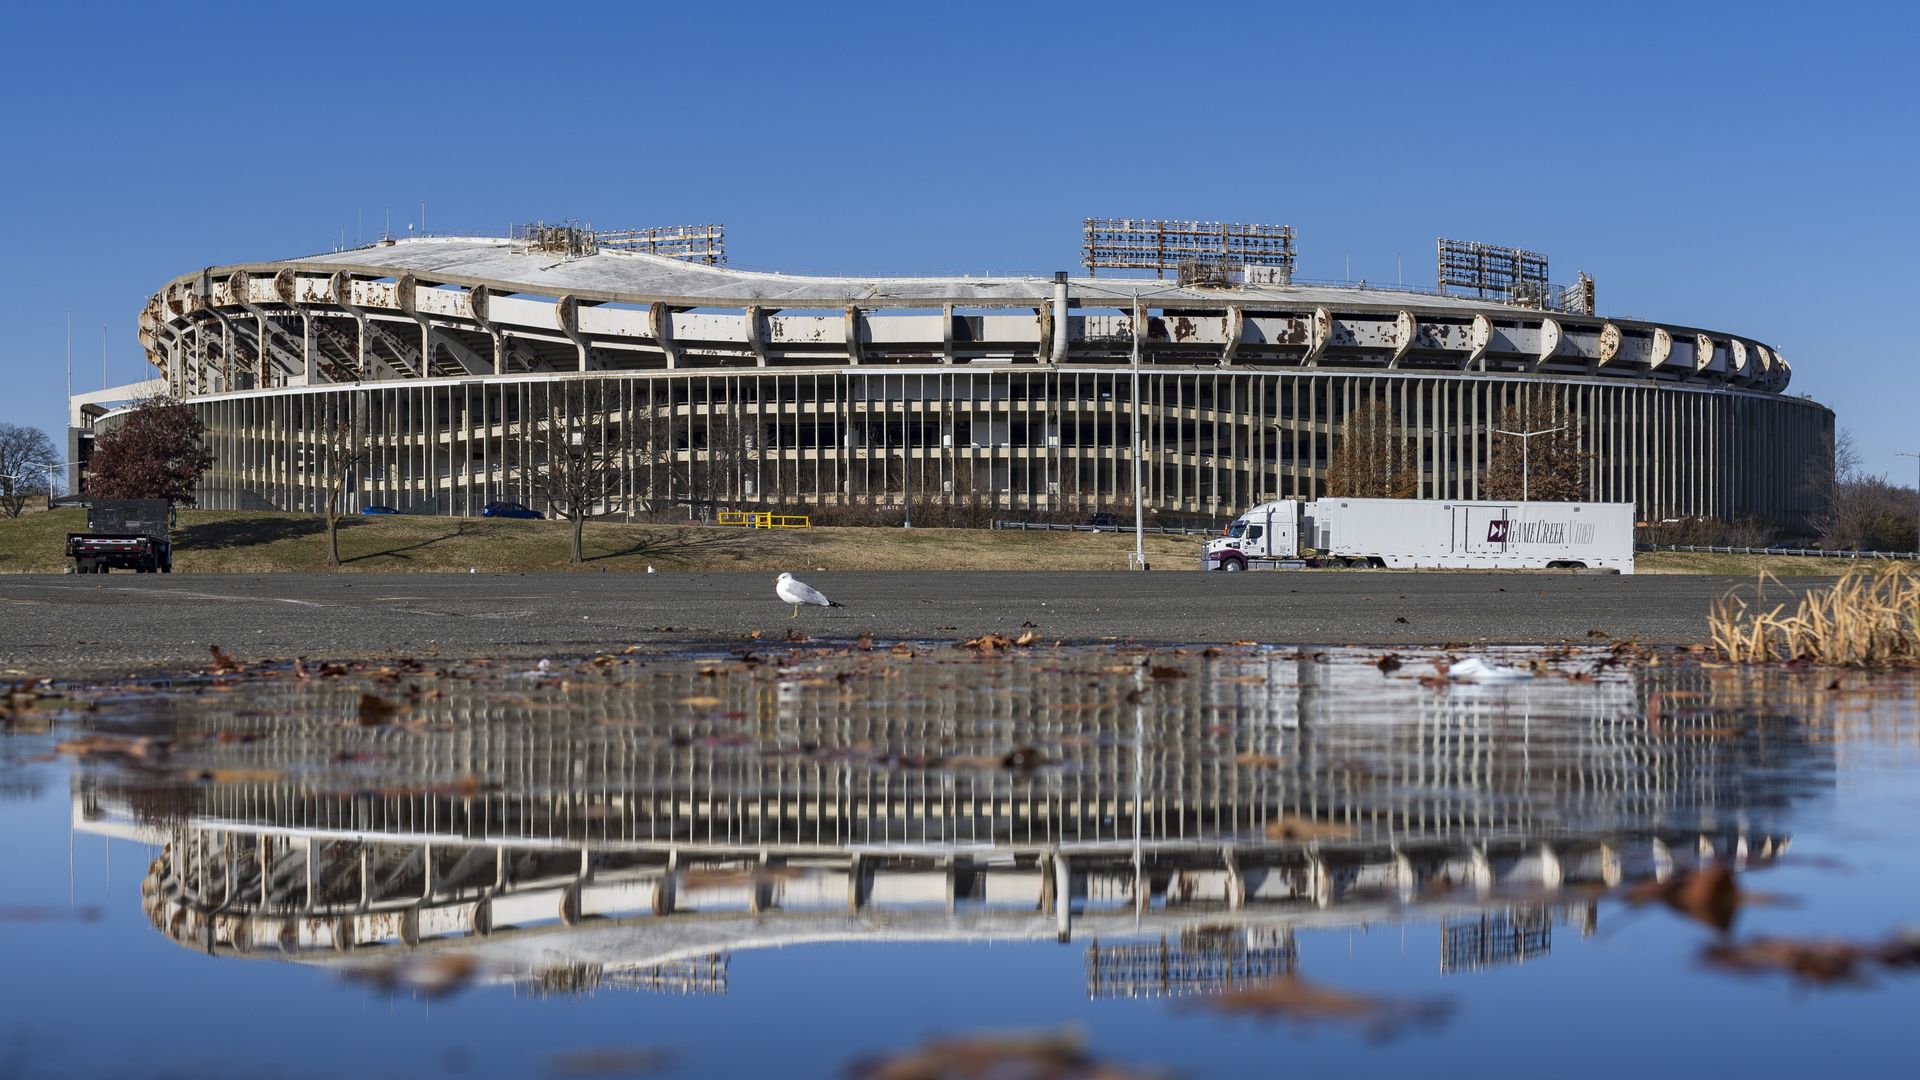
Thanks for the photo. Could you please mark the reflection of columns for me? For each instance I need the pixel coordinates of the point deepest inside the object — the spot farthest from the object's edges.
(1062, 898)
(856, 886)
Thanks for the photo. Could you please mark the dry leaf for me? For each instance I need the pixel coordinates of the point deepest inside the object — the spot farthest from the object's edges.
(1294, 999)
(1709, 896)
(1024, 757)
(141, 747)
(375, 709)
(1046, 1056)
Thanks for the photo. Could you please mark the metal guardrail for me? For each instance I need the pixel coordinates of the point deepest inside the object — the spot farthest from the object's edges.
(1808, 552)
(1054, 526)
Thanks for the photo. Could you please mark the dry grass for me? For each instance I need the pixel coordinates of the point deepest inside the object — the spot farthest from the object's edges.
(1748, 566)
(1866, 619)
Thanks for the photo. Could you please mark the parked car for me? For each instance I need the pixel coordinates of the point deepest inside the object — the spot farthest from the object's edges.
(1104, 520)
(378, 510)
(509, 510)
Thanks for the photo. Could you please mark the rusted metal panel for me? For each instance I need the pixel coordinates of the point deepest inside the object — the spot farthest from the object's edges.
(1609, 344)
(690, 327)
(1285, 330)
(1480, 340)
(1662, 350)
(601, 321)
(1703, 349)
(806, 330)
(1323, 323)
(1550, 340)
(1405, 326)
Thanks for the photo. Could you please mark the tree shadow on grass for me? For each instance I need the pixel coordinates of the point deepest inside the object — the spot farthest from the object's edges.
(670, 541)
(401, 552)
(245, 532)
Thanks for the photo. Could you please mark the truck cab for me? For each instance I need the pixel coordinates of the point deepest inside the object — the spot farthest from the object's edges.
(1268, 532)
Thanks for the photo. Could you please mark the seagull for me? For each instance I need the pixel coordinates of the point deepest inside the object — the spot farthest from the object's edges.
(797, 592)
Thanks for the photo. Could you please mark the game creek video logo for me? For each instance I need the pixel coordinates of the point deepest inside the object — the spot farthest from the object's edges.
(1538, 532)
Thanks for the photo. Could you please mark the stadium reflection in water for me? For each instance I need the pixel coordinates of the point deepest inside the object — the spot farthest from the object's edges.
(635, 825)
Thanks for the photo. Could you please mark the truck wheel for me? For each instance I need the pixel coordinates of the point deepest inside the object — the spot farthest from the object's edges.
(166, 567)
(1232, 565)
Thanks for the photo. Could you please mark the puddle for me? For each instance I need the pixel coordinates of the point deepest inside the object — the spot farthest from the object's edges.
(790, 860)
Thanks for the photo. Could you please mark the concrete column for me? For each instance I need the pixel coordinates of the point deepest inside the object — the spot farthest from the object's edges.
(306, 347)
(1058, 352)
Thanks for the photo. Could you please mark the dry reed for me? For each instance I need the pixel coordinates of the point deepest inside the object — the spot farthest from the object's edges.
(1864, 620)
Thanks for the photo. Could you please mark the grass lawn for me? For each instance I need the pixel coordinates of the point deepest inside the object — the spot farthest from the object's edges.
(235, 541)
(224, 541)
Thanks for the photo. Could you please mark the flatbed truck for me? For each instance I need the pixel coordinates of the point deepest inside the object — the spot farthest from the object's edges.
(125, 534)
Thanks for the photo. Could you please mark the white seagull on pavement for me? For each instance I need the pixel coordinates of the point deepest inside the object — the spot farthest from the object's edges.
(797, 592)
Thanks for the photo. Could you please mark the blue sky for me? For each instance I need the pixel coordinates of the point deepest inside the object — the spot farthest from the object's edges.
(1742, 167)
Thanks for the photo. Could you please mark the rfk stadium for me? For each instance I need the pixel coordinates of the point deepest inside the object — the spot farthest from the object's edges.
(453, 358)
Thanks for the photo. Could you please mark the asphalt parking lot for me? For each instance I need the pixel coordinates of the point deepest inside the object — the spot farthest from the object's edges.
(51, 625)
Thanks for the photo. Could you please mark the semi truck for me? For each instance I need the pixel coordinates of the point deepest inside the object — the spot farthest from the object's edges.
(1427, 533)
(130, 534)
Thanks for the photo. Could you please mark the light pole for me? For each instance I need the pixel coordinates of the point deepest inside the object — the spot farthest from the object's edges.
(906, 457)
(1916, 523)
(1139, 445)
(1526, 439)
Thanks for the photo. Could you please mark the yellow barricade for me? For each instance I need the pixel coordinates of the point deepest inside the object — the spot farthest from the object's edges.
(754, 519)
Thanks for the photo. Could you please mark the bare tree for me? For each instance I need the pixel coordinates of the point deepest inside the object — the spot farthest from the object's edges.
(24, 453)
(578, 464)
(343, 451)
(718, 470)
(1546, 468)
(1861, 512)
(1370, 459)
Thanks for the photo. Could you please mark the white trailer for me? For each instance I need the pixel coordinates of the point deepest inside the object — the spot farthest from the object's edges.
(1428, 533)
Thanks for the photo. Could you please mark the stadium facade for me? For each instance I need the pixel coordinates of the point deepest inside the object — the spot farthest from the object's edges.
(452, 356)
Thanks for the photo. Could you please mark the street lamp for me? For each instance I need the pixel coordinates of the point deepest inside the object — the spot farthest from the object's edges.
(1916, 537)
(45, 468)
(1526, 438)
